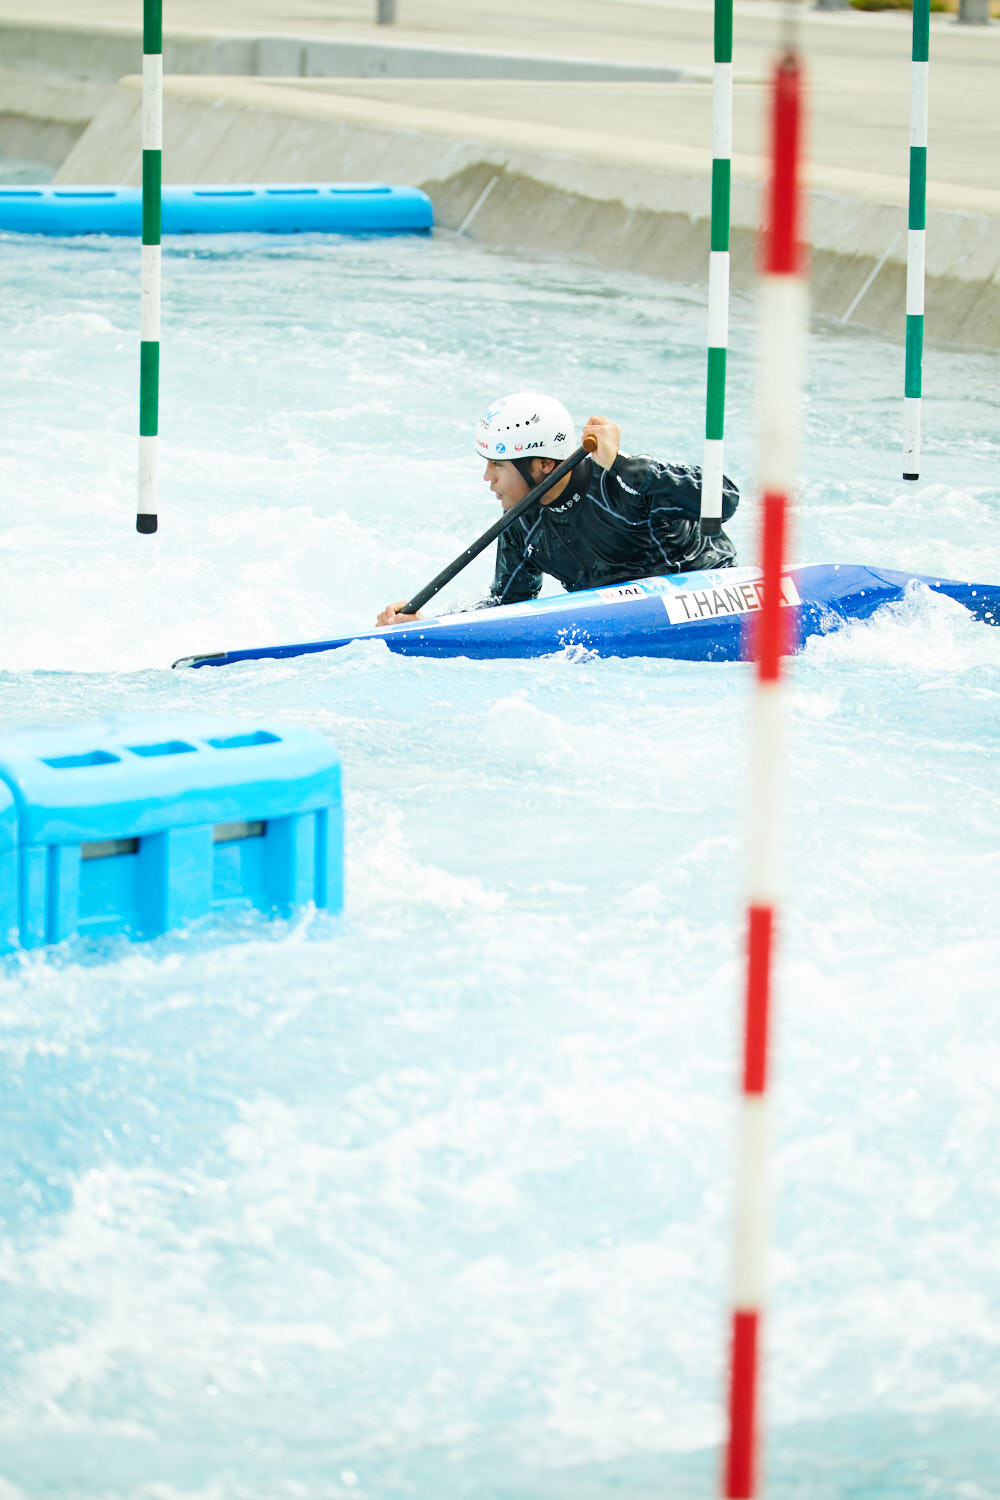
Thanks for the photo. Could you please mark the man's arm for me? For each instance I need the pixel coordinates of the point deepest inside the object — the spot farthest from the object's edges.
(515, 578)
(625, 478)
(678, 485)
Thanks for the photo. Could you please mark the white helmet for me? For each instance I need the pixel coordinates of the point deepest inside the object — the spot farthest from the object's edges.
(526, 425)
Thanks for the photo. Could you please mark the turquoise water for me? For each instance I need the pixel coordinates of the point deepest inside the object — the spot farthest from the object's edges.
(432, 1200)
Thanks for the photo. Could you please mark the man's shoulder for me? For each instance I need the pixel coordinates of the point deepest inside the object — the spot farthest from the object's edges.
(624, 478)
(628, 468)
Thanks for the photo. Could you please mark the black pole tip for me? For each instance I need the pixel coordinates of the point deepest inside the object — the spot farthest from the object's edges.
(710, 525)
(911, 476)
(145, 524)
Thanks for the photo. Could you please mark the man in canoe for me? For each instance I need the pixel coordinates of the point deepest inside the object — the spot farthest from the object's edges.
(609, 520)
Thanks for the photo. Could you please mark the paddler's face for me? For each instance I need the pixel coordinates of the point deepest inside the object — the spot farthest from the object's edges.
(509, 485)
(506, 482)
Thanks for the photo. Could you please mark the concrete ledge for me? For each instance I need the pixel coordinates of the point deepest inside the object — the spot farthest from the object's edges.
(42, 114)
(48, 141)
(301, 57)
(104, 54)
(633, 203)
(55, 78)
(108, 54)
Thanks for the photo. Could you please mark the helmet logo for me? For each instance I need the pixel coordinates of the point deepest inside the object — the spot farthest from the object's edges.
(506, 427)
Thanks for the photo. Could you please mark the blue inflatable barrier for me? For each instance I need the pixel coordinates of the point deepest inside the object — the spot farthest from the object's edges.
(688, 616)
(140, 824)
(287, 208)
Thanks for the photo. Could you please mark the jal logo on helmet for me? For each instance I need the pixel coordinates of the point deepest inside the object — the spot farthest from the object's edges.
(539, 444)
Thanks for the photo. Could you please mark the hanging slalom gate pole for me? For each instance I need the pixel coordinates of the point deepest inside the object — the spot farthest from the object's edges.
(152, 180)
(718, 269)
(917, 238)
(783, 325)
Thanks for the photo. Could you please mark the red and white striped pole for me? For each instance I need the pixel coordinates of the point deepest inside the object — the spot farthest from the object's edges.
(783, 309)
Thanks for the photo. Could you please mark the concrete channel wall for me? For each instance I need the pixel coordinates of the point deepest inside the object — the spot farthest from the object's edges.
(599, 162)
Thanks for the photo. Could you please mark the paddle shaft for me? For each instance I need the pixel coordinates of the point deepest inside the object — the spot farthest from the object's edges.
(508, 518)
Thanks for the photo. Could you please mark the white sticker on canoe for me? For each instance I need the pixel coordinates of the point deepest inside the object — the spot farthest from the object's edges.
(625, 591)
(726, 599)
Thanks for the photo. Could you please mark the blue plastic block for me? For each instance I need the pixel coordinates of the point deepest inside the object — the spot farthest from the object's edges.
(143, 823)
(8, 870)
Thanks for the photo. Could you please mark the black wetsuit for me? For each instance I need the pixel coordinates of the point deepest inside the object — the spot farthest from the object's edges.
(637, 519)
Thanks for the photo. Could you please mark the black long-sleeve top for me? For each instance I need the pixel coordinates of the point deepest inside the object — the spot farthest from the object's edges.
(637, 519)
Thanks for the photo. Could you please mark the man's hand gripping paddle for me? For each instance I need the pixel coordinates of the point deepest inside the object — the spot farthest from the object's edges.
(589, 445)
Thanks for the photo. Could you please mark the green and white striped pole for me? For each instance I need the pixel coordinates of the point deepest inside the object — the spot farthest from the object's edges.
(152, 178)
(916, 249)
(718, 268)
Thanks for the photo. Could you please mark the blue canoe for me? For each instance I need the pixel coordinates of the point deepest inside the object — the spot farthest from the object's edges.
(285, 208)
(688, 617)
